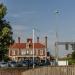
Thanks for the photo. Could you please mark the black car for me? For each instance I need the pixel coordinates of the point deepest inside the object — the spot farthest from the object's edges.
(22, 63)
(44, 63)
(35, 63)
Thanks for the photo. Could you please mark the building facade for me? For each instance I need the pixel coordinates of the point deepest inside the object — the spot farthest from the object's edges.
(22, 51)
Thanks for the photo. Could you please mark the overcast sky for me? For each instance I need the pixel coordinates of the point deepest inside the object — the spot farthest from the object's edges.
(24, 15)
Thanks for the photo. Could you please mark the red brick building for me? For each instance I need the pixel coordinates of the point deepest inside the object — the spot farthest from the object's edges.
(22, 51)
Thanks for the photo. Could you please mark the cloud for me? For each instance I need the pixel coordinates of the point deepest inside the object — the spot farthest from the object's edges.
(19, 31)
(19, 27)
(21, 14)
(1, 1)
(15, 15)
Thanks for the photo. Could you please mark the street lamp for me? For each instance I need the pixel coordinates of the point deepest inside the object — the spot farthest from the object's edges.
(34, 29)
(33, 47)
(56, 35)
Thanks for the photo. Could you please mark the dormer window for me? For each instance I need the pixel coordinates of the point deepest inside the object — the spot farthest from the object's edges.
(27, 45)
(30, 45)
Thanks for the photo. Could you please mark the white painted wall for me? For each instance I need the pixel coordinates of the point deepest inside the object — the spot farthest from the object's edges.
(63, 63)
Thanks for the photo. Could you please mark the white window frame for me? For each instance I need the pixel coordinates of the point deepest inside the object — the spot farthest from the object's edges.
(13, 52)
(41, 52)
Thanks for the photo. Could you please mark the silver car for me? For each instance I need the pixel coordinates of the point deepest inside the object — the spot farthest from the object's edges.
(12, 64)
(3, 64)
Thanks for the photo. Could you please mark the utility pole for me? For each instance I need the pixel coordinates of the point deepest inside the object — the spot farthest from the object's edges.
(56, 49)
(33, 48)
(56, 35)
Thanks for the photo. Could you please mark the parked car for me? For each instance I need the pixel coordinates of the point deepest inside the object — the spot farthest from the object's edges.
(36, 63)
(22, 64)
(43, 63)
(12, 64)
(3, 64)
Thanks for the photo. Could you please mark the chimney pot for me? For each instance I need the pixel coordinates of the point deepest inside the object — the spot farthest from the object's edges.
(29, 40)
(18, 39)
(46, 42)
(37, 39)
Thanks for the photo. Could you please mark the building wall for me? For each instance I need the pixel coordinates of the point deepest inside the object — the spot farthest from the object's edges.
(13, 53)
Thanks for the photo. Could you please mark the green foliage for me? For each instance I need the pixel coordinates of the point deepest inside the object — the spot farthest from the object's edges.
(3, 10)
(71, 61)
(5, 33)
(73, 55)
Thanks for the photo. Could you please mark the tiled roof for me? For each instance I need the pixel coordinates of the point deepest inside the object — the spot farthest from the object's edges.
(18, 45)
(23, 45)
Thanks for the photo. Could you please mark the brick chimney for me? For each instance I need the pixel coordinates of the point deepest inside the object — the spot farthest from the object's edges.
(45, 48)
(37, 39)
(29, 40)
(18, 39)
(46, 42)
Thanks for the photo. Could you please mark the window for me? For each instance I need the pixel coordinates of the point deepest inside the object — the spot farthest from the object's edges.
(41, 52)
(37, 51)
(31, 52)
(23, 52)
(27, 45)
(27, 52)
(13, 52)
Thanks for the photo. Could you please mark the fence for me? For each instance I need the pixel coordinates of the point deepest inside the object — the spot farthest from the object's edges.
(48, 70)
(51, 70)
(11, 71)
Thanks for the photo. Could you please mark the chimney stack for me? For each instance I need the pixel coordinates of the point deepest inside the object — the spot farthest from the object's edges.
(46, 42)
(29, 40)
(37, 39)
(18, 39)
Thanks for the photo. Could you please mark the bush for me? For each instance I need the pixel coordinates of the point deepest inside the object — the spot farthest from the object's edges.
(71, 62)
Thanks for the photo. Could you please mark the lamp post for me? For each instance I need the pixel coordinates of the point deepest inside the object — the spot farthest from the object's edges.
(33, 48)
(56, 35)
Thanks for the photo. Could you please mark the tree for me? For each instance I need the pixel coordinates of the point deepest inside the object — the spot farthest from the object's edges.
(5, 33)
(73, 55)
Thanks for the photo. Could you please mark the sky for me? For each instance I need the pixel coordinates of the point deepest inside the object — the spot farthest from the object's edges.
(24, 15)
